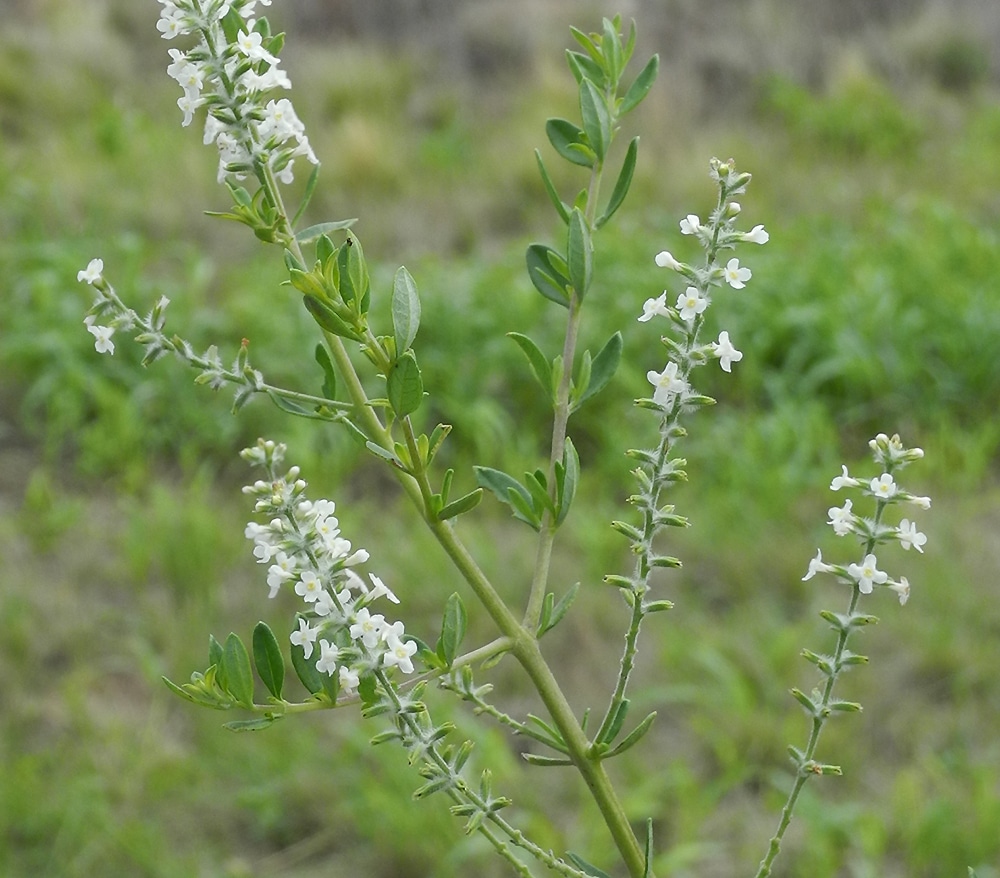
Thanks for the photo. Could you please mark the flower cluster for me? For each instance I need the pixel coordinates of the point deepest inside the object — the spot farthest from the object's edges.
(231, 72)
(891, 455)
(305, 551)
(718, 234)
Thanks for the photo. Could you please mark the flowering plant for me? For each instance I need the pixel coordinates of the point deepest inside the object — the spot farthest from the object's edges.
(340, 647)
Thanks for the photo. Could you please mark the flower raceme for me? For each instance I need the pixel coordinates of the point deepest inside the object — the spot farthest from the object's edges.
(232, 78)
(303, 545)
(717, 234)
(884, 489)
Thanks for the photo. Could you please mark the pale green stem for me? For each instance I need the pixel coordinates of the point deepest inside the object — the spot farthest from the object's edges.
(818, 722)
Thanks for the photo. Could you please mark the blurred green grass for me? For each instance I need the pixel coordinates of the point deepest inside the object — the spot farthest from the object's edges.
(873, 308)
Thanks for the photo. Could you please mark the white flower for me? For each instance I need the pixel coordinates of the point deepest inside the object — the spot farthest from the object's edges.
(883, 487)
(327, 663)
(726, 352)
(843, 481)
(102, 339)
(666, 383)
(367, 628)
(735, 276)
(690, 225)
(922, 502)
(756, 235)
(867, 573)
(902, 588)
(92, 272)
(398, 654)
(841, 518)
(690, 303)
(250, 45)
(309, 586)
(349, 679)
(304, 637)
(655, 308)
(324, 604)
(816, 565)
(280, 572)
(908, 535)
(665, 260)
(380, 590)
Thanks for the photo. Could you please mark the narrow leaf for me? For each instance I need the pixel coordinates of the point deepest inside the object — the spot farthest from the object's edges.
(640, 88)
(609, 731)
(313, 232)
(453, 628)
(579, 253)
(236, 671)
(325, 316)
(583, 67)
(546, 278)
(633, 737)
(249, 725)
(310, 187)
(354, 281)
(570, 479)
(267, 658)
(622, 184)
(305, 670)
(540, 367)
(555, 614)
(550, 188)
(404, 386)
(214, 651)
(329, 389)
(596, 118)
(585, 867)
(564, 135)
(545, 761)
(462, 505)
(405, 310)
(603, 368)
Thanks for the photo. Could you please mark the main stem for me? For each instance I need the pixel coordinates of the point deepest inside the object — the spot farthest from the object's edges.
(524, 645)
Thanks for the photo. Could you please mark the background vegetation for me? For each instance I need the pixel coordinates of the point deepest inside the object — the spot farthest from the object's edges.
(873, 131)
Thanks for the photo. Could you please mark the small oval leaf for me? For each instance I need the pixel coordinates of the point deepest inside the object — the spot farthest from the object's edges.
(267, 658)
(404, 386)
(405, 310)
(236, 671)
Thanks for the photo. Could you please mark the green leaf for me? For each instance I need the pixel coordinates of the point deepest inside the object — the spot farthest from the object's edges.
(545, 761)
(647, 860)
(622, 184)
(249, 725)
(537, 488)
(354, 281)
(305, 670)
(235, 673)
(313, 232)
(567, 478)
(286, 405)
(214, 651)
(453, 627)
(611, 46)
(583, 67)
(462, 505)
(540, 366)
(633, 737)
(550, 188)
(200, 700)
(640, 88)
(322, 355)
(579, 253)
(613, 725)
(603, 368)
(325, 250)
(509, 491)
(548, 280)
(267, 658)
(596, 118)
(405, 310)
(307, 195)
(553, 615)
(565, 137)
(404, 386)
(585, 867)
(325, 316)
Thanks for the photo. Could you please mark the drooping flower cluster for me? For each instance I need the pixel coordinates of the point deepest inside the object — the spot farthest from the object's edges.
(890, 454)
(718, 234)
(302, 545)
(231, 73)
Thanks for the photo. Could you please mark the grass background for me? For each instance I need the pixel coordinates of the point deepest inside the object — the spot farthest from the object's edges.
(873, 132)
